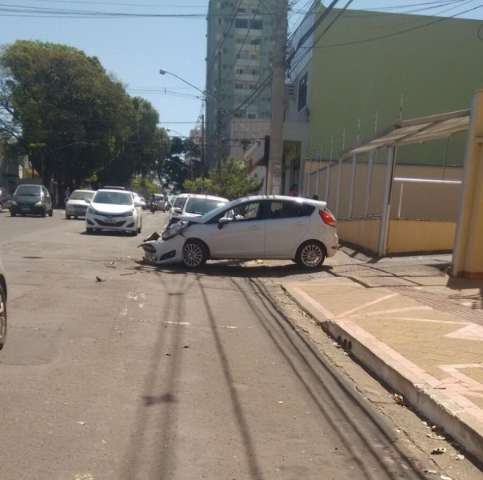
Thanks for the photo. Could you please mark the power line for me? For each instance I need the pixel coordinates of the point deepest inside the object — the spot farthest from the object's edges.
(399, 32)
(323, 33)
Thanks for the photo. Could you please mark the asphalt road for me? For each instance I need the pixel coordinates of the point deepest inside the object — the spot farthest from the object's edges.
(114, 370)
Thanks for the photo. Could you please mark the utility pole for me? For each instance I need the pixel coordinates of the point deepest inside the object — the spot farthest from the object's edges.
(274, 180)
(204, 168)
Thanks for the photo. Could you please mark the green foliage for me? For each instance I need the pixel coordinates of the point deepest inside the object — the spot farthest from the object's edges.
(73, 119)
(231, 180)
(144, 185)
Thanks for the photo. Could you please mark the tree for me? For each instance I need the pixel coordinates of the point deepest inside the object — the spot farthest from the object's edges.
(145, 149)
(231, 180)
(67, 114)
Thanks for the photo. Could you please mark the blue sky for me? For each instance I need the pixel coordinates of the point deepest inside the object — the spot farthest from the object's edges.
(135, 49)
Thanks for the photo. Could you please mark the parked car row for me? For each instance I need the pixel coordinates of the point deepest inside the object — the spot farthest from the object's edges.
(260, 227)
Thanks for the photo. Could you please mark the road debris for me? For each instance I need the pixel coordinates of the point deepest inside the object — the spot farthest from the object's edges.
(99, 280)
(82, 423)
(431, 472)
(438, 451)
(399, 399)
(460, 457)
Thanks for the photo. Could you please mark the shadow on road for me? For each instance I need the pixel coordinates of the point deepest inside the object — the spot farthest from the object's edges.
(240, 417)
(159, 392)
(237, 269)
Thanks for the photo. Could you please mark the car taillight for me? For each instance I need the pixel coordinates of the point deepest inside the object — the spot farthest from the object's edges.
(328, 218)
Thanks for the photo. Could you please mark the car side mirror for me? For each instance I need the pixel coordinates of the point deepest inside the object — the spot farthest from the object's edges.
(222, 222)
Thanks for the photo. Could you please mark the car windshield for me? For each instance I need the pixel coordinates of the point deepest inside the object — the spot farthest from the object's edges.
(114, 198)
(200, 206)
(180, 201)
(28, 191)
(78, 195)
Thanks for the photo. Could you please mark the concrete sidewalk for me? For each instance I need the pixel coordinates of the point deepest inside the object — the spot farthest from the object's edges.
(416, 332)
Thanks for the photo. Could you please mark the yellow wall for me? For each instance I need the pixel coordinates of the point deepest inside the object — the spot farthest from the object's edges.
(406, 236)
(363, 233)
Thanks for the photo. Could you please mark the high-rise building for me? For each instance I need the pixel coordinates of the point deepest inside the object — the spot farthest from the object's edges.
(238, 85)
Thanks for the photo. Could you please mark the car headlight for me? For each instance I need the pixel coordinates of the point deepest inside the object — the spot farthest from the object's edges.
(175, 229)
(38, 204)
(13, 203)
(130, 213)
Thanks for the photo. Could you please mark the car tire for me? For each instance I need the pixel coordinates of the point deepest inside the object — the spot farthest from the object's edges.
(195, 254)
(89, 231)
(51, 213)
(311, 255)
(13, 214)
(3, 316)
(68, 217)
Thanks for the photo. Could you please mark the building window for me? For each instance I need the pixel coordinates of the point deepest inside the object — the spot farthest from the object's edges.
(241, 23)
(302, 92)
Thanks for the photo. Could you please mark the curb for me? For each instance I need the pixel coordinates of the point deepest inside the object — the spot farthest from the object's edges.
(400, 375)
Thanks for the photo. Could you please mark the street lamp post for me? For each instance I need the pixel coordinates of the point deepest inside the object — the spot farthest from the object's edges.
(204, 97)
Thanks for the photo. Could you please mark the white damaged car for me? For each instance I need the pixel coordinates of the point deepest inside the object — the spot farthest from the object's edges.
(259, 227)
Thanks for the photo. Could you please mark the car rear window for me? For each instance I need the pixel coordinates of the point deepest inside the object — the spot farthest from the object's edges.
(281, 209)
(79, 195)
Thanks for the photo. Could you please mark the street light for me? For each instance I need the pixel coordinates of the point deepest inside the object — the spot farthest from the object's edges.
(205, 95)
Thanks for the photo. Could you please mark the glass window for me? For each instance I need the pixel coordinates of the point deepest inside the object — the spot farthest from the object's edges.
(180, 202)
(279, 209)
(200, 206)
(28, 190)
(302, 92)
(79, 195)
(245, 212)
(114, 198)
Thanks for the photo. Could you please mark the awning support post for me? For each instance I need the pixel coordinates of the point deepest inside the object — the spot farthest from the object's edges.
(369, 183)
(353, 184)
(386, 214)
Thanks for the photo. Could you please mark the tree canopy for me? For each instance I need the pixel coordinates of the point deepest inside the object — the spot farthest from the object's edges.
(230, 180)
(73, 119)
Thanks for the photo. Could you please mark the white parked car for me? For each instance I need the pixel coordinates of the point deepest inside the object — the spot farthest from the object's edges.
(270, 227)
(78, 203)
(190, 205)
(3, 306)
(114, 210)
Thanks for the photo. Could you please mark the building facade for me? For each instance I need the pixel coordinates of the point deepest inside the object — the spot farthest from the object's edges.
(239, 44)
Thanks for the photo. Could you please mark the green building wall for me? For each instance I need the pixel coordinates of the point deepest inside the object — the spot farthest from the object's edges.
(360, 87)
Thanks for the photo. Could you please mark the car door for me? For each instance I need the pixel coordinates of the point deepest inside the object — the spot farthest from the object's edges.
(242, 235)
(285, 226)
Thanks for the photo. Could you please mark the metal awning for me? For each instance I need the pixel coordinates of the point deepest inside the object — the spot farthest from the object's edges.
(416, 130)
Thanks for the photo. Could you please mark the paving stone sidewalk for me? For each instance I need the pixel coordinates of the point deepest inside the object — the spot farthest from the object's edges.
(415, 328)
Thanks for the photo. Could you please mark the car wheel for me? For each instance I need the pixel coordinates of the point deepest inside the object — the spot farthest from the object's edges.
(13, 214)
(51, 213)
(3, 317)
(311, 255)
(67, 216)
(195, 254)
(89, 230)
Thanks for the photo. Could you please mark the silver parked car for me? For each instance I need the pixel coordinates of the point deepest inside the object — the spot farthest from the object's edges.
(3, 307)
(78, 203)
